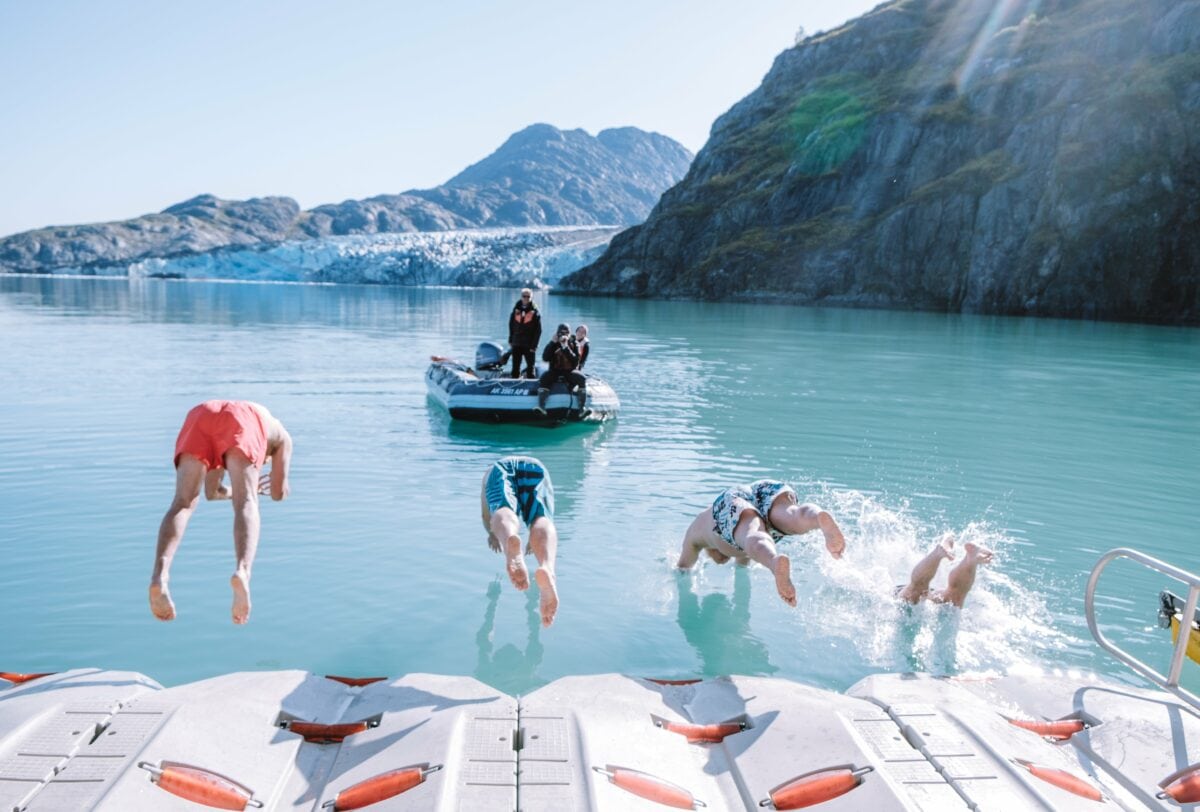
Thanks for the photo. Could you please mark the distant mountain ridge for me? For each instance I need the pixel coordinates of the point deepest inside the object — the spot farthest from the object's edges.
(1033, 157)
(540, 176)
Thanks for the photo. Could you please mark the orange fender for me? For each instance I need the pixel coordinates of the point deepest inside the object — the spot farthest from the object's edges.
(380, 788)
(17, 679)
(317, 733)
(1182, 787)
(200, 786)
(1063, 780)
(816, 788)
(355, 682)
(650, 787)
(1059, 730)
(703, 734)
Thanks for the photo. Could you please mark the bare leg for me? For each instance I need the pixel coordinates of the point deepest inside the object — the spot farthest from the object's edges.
(962, 577)
(543, 539)
(189, 477)
(505, 526)
(243, 482)
(790, 519)
(922, 574)
(752, 536)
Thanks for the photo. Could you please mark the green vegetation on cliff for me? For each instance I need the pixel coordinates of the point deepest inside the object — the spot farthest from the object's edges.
(1039, 157)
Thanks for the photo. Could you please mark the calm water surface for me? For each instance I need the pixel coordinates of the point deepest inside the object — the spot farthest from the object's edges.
(1052, 441)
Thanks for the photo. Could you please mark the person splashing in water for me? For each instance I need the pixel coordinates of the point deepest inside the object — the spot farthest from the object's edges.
(218, 436)
(518, 489)
(744, 523)
(962, 576)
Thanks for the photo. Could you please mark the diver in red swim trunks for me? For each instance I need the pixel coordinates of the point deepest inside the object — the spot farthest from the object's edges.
(218, 436)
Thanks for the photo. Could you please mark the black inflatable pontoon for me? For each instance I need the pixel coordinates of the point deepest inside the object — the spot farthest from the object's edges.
(484, 393)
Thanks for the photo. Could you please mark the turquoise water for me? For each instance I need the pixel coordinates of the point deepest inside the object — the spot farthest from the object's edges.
(1052, 441)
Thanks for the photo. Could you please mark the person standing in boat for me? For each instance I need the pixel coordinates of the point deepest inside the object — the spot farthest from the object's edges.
(745, 522)
(218, 436)
(582, 344)
(561, 355)
(524, 333)
(518, 489)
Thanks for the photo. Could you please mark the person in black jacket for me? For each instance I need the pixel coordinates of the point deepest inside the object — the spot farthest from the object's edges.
(562, 357)
(524, 333)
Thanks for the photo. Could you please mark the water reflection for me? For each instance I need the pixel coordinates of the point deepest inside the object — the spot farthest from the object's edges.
(926, 638)
(509, 668)
(719, 629)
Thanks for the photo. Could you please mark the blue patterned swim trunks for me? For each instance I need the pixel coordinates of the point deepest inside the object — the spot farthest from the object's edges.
(521, 484)
(757, 496)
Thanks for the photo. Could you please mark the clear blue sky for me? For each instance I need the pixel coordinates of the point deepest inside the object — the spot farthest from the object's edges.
(113, 109)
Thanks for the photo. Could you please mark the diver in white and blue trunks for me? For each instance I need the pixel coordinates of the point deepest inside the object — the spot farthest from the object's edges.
(515, 490)
(744, 523)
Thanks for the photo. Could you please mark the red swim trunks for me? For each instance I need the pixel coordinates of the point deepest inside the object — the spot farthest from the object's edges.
(215, 426)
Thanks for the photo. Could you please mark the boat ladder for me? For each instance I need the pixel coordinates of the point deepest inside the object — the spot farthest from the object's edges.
(1170, 680)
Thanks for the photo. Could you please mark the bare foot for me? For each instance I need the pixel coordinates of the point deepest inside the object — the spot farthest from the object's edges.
(241, 598)
(977, 554)
(549, 591)
(515, 563)
(945, 546)
(835, 542)
(160, 602)
(783, 580)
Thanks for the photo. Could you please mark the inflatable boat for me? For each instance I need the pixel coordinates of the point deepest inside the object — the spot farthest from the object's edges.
(486, 394)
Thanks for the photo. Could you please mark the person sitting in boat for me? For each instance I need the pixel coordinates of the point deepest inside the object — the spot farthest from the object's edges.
(582, 344)
(518, 489)
(562, 357)
(218, 436)
(524, 333)
(962, 576)
(744, 523)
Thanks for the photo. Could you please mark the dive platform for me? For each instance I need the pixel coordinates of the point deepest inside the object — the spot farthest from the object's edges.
(91, 739)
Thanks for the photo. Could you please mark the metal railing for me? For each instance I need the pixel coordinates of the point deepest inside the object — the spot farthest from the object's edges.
(1169, 681)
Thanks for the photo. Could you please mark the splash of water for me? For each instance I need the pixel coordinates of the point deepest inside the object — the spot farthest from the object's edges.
(1003, 625)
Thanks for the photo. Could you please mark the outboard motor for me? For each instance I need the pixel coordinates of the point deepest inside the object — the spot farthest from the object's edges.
(487, 355)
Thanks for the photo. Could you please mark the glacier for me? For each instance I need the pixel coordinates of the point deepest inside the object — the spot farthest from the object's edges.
(534, 256)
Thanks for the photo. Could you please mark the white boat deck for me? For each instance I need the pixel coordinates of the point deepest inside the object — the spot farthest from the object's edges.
(74, 741)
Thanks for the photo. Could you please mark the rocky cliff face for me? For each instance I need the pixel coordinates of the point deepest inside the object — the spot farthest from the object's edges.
(1032, 157)
(541, 176)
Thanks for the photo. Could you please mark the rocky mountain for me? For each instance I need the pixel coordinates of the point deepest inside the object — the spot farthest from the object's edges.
(541, 176)
(1035, 157)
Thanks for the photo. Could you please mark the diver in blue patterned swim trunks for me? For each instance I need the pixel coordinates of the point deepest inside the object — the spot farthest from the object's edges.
(515, 490)
(744, 523)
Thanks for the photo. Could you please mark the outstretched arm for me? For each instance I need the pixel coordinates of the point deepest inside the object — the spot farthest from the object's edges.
(688, 555)
(693, 543)
(281, 460)
(213, 486)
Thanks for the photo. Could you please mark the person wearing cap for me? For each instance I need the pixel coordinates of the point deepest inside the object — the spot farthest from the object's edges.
(562, 359)
(218, 436)
(518, 489)
(745, 522)
(524, 333)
